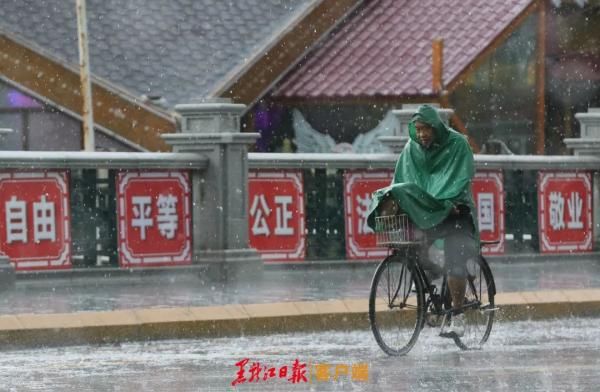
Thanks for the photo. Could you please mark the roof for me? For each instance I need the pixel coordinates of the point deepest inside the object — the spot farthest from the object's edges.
(177, 49)
(385, 48)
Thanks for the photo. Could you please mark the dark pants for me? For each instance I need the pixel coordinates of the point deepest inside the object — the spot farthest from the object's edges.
(459, 243)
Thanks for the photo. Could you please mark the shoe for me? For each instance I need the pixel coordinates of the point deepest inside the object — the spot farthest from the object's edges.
(456, 328)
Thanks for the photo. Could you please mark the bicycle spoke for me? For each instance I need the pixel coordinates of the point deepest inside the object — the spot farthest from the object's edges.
(478, 307)
(395, 309)
(400, 284)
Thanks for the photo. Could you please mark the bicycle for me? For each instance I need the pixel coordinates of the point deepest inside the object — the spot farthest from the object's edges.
(403, 298)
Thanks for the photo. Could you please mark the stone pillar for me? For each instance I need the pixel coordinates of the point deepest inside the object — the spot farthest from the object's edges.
(588, 143)
(220, 193)
(400, 137)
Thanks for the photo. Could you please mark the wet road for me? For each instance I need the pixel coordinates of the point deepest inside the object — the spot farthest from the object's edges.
(525, 356)
(276, 285)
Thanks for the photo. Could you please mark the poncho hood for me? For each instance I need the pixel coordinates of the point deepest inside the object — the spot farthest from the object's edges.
(428, 115)
(429, 182)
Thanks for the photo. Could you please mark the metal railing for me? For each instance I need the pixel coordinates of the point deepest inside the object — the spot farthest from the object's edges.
(387, 161)
(105, 160)
(92, 191)
(93, 199)
(324, 193)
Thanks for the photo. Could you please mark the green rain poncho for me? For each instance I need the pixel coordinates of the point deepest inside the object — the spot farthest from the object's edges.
(429, 182)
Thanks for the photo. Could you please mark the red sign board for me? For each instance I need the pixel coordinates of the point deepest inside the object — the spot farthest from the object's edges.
(35, 219)
(488, 193)
(276, 215)
(565, 211)
(154, 218)
(358, 187)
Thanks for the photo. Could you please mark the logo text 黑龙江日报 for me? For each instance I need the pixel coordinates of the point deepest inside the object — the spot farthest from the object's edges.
(299, 372)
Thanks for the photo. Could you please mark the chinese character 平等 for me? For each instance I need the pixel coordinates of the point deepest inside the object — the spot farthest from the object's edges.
(167, 215)
(141, 213)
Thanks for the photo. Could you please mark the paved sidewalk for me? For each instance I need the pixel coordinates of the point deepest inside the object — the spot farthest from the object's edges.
(184, 288)
(33, 330)
(179, 304)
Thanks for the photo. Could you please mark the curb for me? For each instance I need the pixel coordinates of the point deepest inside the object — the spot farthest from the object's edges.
(60, 329)
(200, 269)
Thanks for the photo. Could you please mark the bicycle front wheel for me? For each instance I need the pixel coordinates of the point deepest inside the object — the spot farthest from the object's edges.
(396, 305)
(479, 305)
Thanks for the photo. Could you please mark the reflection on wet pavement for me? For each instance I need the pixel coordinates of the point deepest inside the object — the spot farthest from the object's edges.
(555, 355)
(276, 285)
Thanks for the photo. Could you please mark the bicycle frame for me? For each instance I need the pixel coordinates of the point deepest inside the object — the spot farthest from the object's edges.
(412, 289)
(441, 302)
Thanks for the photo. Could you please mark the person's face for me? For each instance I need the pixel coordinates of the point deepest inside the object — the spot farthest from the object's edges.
(424, 134)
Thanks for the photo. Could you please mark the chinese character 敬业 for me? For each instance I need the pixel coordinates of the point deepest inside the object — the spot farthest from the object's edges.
(575, 206)
(556, 211)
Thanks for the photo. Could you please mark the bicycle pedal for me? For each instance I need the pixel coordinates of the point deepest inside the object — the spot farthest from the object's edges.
(449, 335)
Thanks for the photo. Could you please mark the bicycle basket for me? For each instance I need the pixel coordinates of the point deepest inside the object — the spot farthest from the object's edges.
(394, 230)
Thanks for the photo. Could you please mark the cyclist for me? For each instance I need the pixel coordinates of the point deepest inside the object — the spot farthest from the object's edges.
(432, 185)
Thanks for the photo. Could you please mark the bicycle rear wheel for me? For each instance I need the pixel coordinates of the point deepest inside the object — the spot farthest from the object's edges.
(479, 303)
(396, 305)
